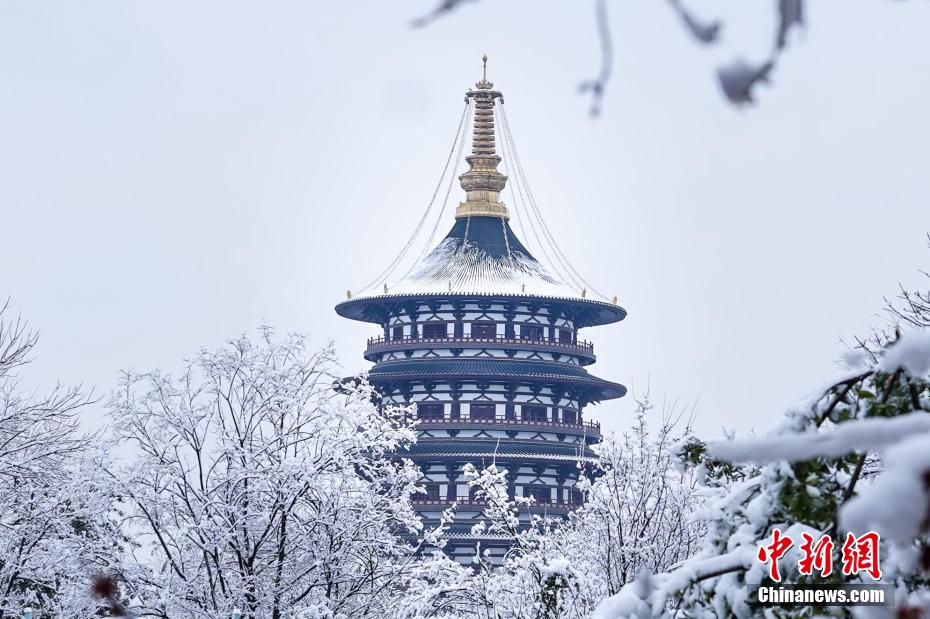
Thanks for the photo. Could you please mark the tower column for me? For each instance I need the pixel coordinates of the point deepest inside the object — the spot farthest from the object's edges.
(458, 313)
(456, 409)
(412, 312)
(452, 477)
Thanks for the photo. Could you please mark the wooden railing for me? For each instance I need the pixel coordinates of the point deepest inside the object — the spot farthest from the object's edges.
(591, 426)
(469, 502)
(376, 343)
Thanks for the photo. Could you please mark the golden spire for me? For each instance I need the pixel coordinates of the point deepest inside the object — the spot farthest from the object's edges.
(483, 183)
(484, 84)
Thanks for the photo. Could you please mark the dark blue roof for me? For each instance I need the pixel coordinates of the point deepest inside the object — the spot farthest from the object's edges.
(501, 449)
(481, 258)
(506, 369)
(487, 233)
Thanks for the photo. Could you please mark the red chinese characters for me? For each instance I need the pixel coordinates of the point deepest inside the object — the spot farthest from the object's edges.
(774, 551)
(817, 556)
(860, 554)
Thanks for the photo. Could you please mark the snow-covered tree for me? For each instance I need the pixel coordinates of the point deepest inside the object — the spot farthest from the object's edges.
(258, 485)
(56, 530)
(636, 518)
(853, 458)
(638, 511)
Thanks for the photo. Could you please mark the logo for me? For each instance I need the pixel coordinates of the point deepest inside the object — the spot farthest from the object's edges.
(858, 554)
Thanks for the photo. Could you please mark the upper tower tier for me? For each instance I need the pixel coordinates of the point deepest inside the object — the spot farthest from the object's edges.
(481, 257)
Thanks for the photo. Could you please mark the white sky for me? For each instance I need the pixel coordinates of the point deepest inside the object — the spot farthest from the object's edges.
(173, 173)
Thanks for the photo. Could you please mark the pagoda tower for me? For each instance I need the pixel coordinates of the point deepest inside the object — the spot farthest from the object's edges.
(484, 341)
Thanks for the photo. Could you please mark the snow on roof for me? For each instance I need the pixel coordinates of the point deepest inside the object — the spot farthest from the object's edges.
(468, 268)
(481, 256)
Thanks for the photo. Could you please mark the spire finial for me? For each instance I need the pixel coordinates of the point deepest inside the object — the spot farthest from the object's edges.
(484, 84)
(483, 182)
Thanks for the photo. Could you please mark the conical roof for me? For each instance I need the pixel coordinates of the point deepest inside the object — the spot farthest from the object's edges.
(481, 256)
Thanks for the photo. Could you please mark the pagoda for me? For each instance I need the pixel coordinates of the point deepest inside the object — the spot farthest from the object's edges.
(483, 341)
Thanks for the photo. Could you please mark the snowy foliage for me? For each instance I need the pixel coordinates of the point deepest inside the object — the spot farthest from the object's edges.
(259, 480)
(636, 518)
(259, 486)
(56, 529)
(852, 459)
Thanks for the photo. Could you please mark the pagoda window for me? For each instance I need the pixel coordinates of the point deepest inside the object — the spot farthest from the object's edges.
(565, 336)
(569, 416)
(397, 333)
(482, 411)
(432, 493)
(435, 330)
(430, 411)
(530, 332)
(542, 494)
(533, 413)
(483, 330)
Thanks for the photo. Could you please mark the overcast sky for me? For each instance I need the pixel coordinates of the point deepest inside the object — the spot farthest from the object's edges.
(173, 173)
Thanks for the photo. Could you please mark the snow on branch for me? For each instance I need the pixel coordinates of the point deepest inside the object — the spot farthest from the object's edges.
(738, 79)
(879, 505)
(863, 435)
(648, 595)
(911, 353)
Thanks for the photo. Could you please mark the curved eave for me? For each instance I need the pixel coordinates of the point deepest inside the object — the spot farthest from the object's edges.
(499, 450)
(506, 370)
(376, 308)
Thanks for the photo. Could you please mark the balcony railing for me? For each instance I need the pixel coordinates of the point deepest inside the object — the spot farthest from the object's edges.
(591, 427)
(421, 502)
(376, 344)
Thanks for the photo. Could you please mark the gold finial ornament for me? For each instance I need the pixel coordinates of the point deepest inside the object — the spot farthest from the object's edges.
(615, 300)
(584, 293)
(348, 294)
(385, 288)
(483, 182)
(484, 84)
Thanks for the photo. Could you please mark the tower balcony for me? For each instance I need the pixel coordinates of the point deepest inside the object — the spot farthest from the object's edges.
(582, 349)
(552, 506)
(589, 429)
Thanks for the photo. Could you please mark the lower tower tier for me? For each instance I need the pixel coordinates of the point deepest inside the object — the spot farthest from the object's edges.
(526, 418)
